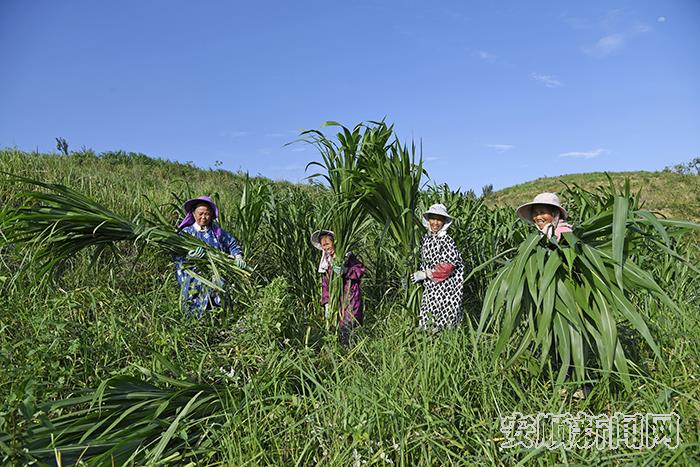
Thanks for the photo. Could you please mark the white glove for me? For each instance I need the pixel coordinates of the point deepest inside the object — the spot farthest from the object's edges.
(419, 276)
(196, 253)
(327, 311)
(240, 262)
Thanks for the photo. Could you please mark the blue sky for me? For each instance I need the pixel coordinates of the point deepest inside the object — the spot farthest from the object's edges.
(499, 92)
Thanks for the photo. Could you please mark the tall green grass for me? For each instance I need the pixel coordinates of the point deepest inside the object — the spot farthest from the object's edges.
(280, 390)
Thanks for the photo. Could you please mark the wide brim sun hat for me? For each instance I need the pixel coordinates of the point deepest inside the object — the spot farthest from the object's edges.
(549, 199)
(316, 237)
(190, 206)
(192, 203)
(439, 210)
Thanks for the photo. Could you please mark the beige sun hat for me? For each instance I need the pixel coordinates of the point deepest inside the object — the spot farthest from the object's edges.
(550, 199)
(316, 237)
(439, 210)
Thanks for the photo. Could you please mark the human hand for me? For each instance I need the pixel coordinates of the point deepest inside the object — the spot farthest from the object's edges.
(340, 270)
(419, 276)
(196, 253)
(239, 261)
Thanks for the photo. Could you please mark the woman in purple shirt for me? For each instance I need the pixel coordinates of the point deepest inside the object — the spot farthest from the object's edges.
(351, 271)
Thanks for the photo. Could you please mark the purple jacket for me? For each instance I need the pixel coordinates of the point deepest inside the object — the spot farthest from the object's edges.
(351, 287)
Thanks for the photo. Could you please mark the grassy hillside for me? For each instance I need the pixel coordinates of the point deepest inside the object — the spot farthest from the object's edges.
(116, 177)
(669, 194)
(263, 381)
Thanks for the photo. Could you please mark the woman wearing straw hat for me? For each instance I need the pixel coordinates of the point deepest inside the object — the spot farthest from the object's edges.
(545, 213)
(441, 272)
(199, 222)
(351, 271)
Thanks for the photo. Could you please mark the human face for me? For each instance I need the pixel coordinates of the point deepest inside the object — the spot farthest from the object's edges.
(328, 245)
(436, 222)
(202, 215)
(542, 215)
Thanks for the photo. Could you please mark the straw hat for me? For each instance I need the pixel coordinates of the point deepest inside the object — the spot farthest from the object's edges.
(549, 199)
(316, 237)
(438, 210)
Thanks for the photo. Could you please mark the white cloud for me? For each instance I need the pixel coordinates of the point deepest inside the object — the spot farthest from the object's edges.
(431, 158)
(547, 80)
(500, 148)
(661, 19)
(298, 149)
(585, 154)
(606, 45)
(274, 135)
(485, 56)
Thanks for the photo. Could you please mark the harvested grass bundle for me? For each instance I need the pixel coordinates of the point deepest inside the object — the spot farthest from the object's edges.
(58, 223)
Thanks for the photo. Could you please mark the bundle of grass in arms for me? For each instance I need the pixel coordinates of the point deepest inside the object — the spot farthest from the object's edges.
(566, 299)
(59, 222)
(125, 421)
(346, 216)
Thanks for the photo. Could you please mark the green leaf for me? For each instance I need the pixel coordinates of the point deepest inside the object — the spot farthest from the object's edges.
(167, 436)
(651, 219)
(621, 365)
(618, 236)
(608, 331)
(531, 273)
(577, 353)
(550, 269)
(635, 318)
(563, 339)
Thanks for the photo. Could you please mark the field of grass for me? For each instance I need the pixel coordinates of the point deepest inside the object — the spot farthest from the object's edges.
(264, 382)
(670, 194)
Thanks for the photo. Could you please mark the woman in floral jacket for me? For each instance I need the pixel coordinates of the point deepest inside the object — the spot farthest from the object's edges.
(199, 222)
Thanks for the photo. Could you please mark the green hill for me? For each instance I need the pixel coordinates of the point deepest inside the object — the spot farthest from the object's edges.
(670, 194)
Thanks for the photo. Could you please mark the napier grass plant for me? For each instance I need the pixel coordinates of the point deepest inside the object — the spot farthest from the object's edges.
(390, 177)
(345, 216)
(292, 215)
(103, 369)
(562, 303)
(128, 420)
(59, 223)
(372, 176)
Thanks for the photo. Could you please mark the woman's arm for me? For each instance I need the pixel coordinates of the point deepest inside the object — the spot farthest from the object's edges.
(354, 268)
(449, 260)
(442, 271)
(230, 244)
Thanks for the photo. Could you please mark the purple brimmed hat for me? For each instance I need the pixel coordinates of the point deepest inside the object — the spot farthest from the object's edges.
(190, 206)
(549, 199)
